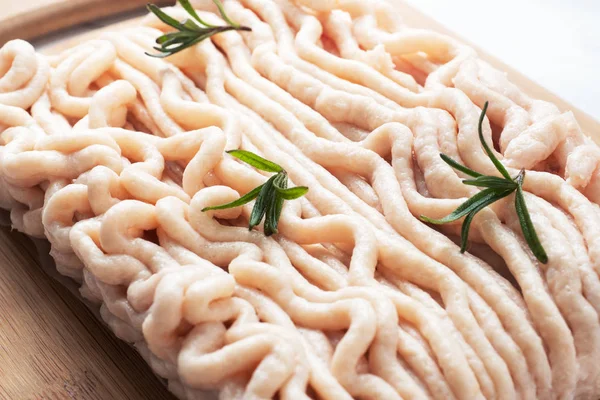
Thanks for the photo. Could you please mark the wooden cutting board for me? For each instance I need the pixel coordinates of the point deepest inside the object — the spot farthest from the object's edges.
(27, 19)
(51, 345)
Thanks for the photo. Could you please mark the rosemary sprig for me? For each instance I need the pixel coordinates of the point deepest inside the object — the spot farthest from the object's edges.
(190, 31)
(496, 188)
(269, 196)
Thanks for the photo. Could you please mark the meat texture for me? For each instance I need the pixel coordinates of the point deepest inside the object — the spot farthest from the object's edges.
(112, 155)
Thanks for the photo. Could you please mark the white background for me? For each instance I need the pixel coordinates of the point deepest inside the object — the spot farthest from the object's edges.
(556, 43)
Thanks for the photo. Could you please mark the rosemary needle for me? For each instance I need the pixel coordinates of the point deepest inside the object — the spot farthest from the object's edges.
(269, 196)
(190, 31)
(496, 188)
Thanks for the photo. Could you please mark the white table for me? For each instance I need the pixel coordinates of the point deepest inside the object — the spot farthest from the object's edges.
(554, 42)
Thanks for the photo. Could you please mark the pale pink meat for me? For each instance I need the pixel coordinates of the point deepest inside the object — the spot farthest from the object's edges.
(111, 156)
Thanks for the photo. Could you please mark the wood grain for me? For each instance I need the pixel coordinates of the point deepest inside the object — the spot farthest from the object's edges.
(51, 345)
(27, 19)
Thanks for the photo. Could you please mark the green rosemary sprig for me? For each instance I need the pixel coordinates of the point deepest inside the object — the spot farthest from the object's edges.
(269, 196)
(190, 31)
(496, 188)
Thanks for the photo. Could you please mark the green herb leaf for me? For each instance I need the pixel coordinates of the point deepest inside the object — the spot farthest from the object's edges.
(276, 205)
(496, 189)
(191, 26)
(271, 218)
(255, 160)
(466, 226)
(529, 232)
(276, 214)
(188, 33)
(464, 232)
(223, 14)
(459, 167)
(269, 196)
(164, 17)
(248, 197)
(271, 221)
(499, 166)
(485, 197)
(190, 10)
(491, 182)
(174, 37)
(260, 207)
(291, 193)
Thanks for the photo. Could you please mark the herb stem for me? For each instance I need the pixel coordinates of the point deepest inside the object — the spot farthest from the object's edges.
(190, 31)
(496, 188)
(269, 196)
